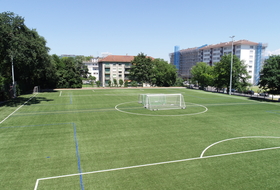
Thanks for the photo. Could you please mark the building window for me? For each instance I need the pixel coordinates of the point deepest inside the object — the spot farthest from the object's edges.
(252, 47)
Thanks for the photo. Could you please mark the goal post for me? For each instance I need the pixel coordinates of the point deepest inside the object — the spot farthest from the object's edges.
(35, 90)
(162, 101)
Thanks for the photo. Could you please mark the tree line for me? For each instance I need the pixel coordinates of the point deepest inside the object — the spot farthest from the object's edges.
(155, 72)
(26, 50)
(219, 75)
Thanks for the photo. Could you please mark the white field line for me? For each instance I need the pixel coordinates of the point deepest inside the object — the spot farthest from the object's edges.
(60, 93)
(240, 97)
(152, 164)
(233, 139)
(92, 90)
(17, 109)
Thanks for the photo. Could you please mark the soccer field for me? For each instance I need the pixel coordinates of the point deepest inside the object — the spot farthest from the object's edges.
(104, 139)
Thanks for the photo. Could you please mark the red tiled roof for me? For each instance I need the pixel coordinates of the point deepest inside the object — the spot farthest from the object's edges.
(240, 42)
(117, 58)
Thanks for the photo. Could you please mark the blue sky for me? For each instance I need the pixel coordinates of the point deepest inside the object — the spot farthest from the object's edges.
(154, 27)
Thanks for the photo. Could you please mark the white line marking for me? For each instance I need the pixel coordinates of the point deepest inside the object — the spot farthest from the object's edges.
(152, 164)
(60, 93)
(233, 139)
(116, 107)
(18, 108)
(92, 90)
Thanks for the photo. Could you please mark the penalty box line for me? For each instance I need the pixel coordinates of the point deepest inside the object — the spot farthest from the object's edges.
(18, 108)
(152, 164)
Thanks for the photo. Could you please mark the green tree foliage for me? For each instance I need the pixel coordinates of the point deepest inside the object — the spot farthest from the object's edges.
(270, 75)
(126, 83)
(141, 69)
(109, 83)
(155, 72)
(221, 72)
(81, 67)
(98, 83)
(203, 74)
(92, 79)
(120, 82)
(179, 81)
(134, 84)
(32, 65)
(164, 74)
(115, 82)
(68, 75)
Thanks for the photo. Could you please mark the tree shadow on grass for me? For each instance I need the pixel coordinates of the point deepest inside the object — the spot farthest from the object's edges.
(21, 100)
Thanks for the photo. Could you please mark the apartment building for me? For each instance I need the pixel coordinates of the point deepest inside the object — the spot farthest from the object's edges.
(114, 67)
(251, 53)
(92, 66)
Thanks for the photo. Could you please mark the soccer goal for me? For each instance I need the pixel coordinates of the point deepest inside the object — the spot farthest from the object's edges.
(35, 90)
(162, 101)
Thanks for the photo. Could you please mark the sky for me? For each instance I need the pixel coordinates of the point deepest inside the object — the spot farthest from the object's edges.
(152, 27)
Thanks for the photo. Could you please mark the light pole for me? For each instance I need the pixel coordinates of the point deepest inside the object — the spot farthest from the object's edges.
(230, 80)
(13, 77)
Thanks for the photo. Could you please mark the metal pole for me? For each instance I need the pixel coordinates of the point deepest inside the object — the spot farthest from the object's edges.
(13, 77)
(230, 80)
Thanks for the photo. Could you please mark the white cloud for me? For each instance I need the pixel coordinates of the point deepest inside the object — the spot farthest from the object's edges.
(275, 52)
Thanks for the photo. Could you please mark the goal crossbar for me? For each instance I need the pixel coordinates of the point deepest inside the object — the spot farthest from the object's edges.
(162, 101)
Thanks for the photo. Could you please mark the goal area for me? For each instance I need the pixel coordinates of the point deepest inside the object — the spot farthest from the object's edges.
(162, 101)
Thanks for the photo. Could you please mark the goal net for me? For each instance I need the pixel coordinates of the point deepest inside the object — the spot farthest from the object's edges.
(35, 90)
(162, 101)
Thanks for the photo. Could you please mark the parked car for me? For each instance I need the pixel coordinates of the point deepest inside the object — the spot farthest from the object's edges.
(250, 92)
(263, 94)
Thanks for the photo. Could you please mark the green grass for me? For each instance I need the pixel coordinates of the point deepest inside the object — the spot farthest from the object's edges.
(56, 133)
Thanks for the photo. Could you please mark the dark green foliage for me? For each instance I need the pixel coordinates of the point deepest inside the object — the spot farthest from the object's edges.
(270, 75)
(115, 82)
(68, 73)
(203, 74)
(98, 83)
(155, 72)
(164, 74)
(134, 84)
(141, 69)
(27, 50)
(120, 82)
(222, 73)
(109, 83)
(126, 84)
(179, 81)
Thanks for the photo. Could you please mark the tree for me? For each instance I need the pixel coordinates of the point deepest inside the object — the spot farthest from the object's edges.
(270, 75)
(142, 69)
(126, 83)
(115, 82)
(27, 50)
(222, 69)
(120, 82)
(98, 83)
(109, 83)
(203, 74)
(67, 72)
(134, 84)
(164, 74)
(92, 79)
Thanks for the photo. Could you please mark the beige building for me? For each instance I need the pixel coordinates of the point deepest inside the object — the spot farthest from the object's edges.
(114, 67)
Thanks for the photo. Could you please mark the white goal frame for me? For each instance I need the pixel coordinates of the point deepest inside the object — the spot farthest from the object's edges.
(162, 101)
(35, 90)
